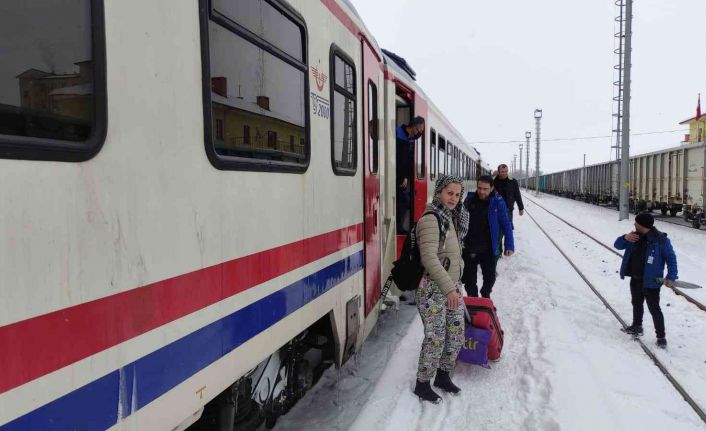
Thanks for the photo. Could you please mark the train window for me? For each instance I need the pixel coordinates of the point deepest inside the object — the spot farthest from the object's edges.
(458, 162)
(456, 166)
(432, 154)
(420, 145)
(373, 126)
(266, 21)
(255, 82)
(343, 118)
(449, 158)
(442, 155)
(52, 79)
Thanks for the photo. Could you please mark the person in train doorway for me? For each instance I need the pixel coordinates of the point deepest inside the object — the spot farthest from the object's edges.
(406, 135)
(440, 234)
(488, 218)
(647, 251)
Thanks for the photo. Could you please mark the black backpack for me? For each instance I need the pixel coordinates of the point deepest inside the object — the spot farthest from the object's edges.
(407, 271)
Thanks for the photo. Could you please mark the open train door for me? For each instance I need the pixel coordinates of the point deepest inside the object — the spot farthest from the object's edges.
(421, 155)
(409, 104)
(371, 177)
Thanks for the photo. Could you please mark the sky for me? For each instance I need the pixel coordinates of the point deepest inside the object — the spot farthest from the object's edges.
(488, 65)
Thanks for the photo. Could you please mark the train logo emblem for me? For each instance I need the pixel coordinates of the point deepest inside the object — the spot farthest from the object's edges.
(319, 77)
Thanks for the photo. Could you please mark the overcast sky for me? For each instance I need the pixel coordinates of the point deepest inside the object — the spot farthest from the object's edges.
(489, 64)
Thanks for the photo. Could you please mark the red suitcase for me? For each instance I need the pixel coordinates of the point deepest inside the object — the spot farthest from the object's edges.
(483, 315)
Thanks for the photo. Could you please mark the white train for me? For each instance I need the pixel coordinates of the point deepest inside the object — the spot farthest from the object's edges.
(198, 205)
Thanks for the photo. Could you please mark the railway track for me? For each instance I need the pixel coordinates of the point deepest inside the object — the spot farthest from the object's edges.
(675, 220)
(676, 290)
(663, 369)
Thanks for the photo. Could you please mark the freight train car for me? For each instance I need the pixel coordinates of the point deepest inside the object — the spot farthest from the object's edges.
(670, 180)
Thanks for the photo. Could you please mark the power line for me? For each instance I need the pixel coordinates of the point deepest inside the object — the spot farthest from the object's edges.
(582, 138)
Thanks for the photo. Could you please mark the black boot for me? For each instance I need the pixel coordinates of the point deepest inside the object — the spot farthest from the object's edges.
(443, 381)
(424, 391)
(634, 330)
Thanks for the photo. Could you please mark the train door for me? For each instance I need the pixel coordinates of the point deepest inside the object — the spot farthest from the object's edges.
(404, 163)
(420, 161)
(410, 202)
(371, 177)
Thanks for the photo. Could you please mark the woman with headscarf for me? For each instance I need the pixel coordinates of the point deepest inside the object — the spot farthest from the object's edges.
(440, 233)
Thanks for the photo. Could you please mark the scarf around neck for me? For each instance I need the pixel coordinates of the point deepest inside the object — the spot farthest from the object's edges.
(459, 215)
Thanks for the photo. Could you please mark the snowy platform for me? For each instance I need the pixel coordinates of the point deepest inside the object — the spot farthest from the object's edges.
(565, 364)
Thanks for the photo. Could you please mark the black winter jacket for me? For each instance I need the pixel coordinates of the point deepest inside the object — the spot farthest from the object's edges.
(510, 191)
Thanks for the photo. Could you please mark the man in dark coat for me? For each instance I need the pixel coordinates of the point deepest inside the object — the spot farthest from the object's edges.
(406, 134)
(647, 251)
(509, 189)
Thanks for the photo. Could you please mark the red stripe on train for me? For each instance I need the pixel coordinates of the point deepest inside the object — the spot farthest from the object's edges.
(342, 16)
(38, 346)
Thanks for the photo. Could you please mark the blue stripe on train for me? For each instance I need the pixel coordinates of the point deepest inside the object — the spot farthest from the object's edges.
(99, 404)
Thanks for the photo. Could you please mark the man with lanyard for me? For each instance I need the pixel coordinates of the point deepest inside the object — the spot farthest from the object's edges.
(406, 135)
(647, 252)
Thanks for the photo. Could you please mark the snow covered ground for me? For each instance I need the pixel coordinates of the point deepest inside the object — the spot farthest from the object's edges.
(565, 364)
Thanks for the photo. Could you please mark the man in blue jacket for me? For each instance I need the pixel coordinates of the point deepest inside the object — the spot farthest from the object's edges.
(647, 251)
(488, 215)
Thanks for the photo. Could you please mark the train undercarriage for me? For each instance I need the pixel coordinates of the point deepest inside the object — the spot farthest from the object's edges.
(273, 387)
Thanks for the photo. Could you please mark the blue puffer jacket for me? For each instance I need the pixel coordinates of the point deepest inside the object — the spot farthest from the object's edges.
(659, 252)
(497, 219)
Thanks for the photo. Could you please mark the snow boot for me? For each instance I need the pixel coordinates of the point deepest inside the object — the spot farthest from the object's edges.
(443, 382)
(662, 343)
(633, 330)
(424, 391)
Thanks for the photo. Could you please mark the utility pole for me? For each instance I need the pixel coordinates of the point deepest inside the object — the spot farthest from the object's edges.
(537, 118)
(514, 164)
(520, 173)
(528, 135)
(621, 108)
(625, 151)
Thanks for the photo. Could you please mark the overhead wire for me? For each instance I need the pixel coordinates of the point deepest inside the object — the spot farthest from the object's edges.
(579, 138)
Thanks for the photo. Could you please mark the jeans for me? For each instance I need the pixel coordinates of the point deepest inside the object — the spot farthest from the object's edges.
(470, 273)
(651, 296)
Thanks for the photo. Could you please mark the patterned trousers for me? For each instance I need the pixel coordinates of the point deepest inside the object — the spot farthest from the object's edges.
(443, 331)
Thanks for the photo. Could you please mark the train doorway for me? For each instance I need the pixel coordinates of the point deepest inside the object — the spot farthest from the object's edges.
(411, 156)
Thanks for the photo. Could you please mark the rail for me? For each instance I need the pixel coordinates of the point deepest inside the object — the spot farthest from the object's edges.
(676, 290)
(697, 409)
